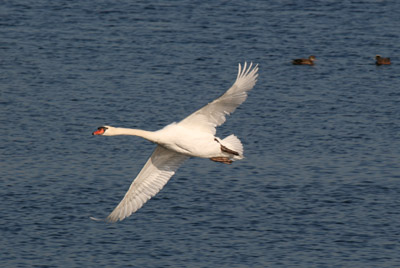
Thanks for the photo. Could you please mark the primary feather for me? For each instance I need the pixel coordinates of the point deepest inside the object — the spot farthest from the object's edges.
(191, 137)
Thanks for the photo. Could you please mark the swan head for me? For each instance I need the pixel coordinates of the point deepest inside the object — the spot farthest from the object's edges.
(103, 130)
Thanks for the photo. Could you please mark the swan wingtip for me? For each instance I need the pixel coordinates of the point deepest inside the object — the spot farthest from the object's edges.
(96, 219)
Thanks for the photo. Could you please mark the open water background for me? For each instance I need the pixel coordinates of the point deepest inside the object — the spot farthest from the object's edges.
(320, 184)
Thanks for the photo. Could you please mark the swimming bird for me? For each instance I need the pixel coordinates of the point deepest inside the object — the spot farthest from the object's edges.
(194, 136)
(382, 61)
(309, 61)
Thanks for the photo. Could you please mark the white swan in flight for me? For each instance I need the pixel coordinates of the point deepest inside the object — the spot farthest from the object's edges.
(193, 136)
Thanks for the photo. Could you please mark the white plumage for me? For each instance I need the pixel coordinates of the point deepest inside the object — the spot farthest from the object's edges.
(191, 137)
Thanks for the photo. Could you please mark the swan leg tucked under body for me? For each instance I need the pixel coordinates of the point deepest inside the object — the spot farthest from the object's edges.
(194, 136)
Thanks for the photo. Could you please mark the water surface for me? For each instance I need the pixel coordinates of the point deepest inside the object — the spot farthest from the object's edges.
(319, 186)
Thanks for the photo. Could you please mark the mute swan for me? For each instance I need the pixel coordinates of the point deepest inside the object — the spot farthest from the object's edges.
(193, 136)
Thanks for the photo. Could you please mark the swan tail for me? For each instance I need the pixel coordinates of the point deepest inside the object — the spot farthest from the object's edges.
(234, 144)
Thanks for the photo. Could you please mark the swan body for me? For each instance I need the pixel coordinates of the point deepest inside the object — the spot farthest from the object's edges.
(194, 136)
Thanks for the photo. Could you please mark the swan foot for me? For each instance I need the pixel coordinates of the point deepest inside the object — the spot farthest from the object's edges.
(226, 149)
(224, 160)
(229, 151)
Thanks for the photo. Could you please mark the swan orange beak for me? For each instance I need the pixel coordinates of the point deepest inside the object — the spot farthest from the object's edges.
(100, 131)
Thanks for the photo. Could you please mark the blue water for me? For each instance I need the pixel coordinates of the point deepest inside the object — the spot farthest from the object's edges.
(320, 184)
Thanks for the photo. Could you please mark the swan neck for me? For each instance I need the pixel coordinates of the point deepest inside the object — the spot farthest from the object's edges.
(149, 135)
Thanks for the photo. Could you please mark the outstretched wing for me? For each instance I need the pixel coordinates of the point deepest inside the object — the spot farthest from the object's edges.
(213, 114)
(160, 167)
